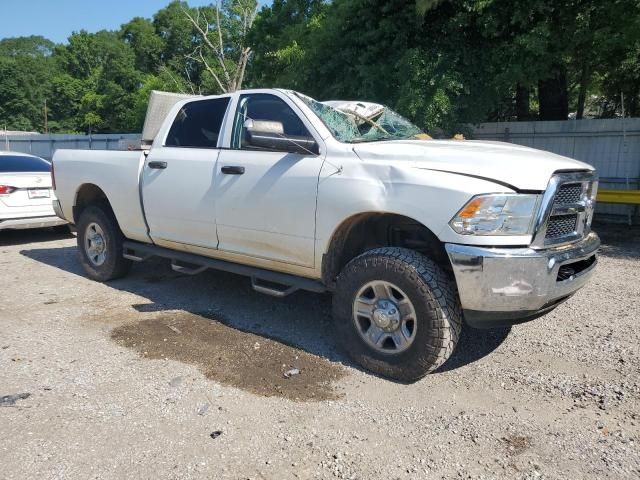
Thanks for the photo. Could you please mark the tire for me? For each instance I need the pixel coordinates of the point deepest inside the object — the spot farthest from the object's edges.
(427, 327)
(101, 258)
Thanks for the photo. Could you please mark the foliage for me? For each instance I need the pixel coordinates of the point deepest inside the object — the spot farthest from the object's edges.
(100, 82)
(282, 36)
(25, 67)
(442, 63)
(445, 63)
(221, 44)
(33, 46)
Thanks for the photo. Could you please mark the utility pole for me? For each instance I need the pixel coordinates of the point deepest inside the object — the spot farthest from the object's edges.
(46, 126)
(624, 157)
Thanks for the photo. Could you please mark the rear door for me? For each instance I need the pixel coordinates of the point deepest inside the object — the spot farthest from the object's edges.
(178, 176)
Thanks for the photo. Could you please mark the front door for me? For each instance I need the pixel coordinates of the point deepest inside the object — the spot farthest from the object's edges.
(266, 200)
(178, 177)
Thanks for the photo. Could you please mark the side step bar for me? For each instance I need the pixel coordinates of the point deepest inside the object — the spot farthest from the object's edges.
(176, 267)
(272, 290)
(196, 264)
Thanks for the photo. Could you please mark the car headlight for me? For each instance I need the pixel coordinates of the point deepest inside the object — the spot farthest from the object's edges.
(497, 214)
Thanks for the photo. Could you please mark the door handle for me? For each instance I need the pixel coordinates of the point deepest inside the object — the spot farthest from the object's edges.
(232, 170)
(158, 165)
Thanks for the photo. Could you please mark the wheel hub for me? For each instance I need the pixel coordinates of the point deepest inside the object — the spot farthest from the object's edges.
(98, 243)
(386, 315)
(95, 244)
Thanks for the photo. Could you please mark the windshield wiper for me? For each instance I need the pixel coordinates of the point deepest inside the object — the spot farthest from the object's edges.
(371, 140)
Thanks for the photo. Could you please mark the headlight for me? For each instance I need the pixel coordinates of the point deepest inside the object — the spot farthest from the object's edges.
(497, 214)
(592, 193)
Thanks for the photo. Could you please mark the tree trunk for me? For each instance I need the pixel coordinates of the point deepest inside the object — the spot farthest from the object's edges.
(582, 93)
(633, 107)
(553, 96)
(522, 103)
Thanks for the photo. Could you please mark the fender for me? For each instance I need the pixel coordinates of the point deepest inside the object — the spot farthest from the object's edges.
(357, 187)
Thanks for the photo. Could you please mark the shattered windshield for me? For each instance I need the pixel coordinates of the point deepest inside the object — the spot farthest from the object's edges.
(354, 122)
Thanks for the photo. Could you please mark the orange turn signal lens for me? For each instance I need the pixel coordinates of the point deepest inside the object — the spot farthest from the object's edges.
(471, 209)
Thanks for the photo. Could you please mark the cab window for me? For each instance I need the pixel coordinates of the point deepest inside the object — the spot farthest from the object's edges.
(198, 124)
(265, 107)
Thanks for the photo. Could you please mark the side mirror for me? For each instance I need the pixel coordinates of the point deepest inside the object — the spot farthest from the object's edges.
(270, 135)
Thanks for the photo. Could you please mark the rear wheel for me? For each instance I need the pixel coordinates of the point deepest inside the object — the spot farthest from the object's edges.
(100, 245)
(397, 313)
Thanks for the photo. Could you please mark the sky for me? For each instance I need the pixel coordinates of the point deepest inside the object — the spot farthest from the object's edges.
(57, 19)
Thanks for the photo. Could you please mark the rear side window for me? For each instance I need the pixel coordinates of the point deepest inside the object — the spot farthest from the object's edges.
(23, 163)
(198, 124)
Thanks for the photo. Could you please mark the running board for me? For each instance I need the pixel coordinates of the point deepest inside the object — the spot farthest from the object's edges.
(176, 267)
(196, 264)
(284, 291)
(130, 255)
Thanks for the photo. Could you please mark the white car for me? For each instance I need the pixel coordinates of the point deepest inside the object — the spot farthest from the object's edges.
(411, 235)
(26, 192)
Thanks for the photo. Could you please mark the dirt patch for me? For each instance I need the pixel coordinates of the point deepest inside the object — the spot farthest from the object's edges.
(232, 357)
(516, 444)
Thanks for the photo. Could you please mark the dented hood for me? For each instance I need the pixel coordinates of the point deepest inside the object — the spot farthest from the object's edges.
(521, 167)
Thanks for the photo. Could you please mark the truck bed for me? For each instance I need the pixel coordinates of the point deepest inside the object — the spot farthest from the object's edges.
(114, 172)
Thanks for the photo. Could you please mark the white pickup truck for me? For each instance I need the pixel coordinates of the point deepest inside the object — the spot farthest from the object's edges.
(412, 236)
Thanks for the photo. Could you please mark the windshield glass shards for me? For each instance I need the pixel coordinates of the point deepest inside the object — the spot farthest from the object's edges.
(354, 122)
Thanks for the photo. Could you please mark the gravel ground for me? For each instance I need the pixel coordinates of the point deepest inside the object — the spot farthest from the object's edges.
(165, 376)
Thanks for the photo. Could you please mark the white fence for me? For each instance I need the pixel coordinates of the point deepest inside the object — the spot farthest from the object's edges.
(612, 146)
(44, 145)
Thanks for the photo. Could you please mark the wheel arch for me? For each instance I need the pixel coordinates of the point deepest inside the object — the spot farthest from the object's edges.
(90, 194)
(368, 230)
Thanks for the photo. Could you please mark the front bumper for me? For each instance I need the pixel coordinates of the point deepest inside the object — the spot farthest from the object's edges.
(503, 286)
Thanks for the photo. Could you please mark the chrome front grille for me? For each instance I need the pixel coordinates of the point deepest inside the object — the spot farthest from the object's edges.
(568, 193)
(567, 209)
(561, 226)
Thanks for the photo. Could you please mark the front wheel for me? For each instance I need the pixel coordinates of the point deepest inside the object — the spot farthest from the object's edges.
(397, 313)
(100, 245)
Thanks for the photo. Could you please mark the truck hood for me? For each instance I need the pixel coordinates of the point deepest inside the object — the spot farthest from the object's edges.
(517, 166)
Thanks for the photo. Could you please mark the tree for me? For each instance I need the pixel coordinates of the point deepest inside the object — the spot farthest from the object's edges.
(283, 36)
(222, 40)
(442, 63)
(34, 46)
(146, 44)
(615, 40)
(554, 47)
(106, 82)
(358, 49)
(26, 68)
(175, 30)
(423, 6)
